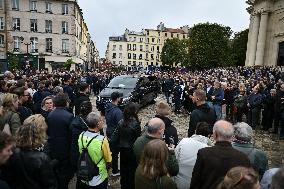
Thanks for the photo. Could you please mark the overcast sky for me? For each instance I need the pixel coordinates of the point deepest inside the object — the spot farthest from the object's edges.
(110, 17)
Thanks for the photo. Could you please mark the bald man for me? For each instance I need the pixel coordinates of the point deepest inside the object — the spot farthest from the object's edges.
(213, 163)
(155, 130)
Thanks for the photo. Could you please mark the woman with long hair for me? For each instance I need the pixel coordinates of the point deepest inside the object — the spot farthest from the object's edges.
(29, 167)
(240, 178)
(10, 115)
(152, 171)
(125, 135)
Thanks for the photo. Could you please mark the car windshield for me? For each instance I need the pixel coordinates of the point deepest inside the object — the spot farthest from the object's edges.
(123, 82)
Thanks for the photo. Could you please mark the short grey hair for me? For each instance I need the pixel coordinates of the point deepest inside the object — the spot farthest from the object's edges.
(93, 119)
(154, 125)
(243, 131)
(224, 130)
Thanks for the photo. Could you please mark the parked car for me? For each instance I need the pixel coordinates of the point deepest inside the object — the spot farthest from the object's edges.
(140, 89)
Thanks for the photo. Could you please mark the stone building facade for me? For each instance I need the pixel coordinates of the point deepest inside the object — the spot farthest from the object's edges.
(141, 50)
(53, 31)
(266, 33)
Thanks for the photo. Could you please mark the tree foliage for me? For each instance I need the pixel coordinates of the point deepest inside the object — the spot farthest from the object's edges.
(175, 51)
(239, 47)
(210, 46)
(68, 63)
(13, 62)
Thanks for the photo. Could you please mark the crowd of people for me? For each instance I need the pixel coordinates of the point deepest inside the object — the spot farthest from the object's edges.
(49, 131)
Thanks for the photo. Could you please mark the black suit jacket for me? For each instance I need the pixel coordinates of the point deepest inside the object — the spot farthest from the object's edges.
(213, 163)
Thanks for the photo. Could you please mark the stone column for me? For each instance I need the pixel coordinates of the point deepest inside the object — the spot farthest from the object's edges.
(253, 40)
(249, 40)
(261, 39)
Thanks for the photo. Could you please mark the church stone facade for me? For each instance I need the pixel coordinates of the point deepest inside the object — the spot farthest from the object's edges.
(266, 33)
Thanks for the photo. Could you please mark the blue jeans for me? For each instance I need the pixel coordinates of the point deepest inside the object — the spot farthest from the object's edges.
(218, 111)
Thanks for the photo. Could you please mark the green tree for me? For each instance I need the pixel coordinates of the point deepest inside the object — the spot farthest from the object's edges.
(68, 63)
(209, 46)
(239, 47)
(175, 52)
(13, 62)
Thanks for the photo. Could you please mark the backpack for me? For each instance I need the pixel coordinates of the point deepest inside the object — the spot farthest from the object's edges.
(87, 169)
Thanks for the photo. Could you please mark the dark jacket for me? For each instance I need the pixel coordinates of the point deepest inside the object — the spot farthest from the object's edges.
(219, 96)
(213, 163)
(113, 115)
(81, 97)
(29, 169)
(138, 148)
(126, 136)
(202, 113)
(170, 130)
(77, 126)
(255, 100)
(59, 135)
(24, 113)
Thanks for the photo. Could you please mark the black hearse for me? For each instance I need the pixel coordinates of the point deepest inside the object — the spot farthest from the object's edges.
(140, 89)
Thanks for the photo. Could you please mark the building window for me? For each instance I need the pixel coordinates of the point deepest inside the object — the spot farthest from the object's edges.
(1, 40)
(114, 55)
(147, 32)
(141, 40)
(152, 56)
(159, 40)
(153, 40)
(2, 26)
(65, 27)
(152, 48)
(140, 57)
(159, 34)
(147, 40)
(158, 49)
(15, 4)
(113, 62)
(129, 55)
(34, 45)
(141, 47)
(129, 62)
(64, 8)
(48, 26)
(134, 56)
(146, 56)
(128, 46)
(48, 44)
(134, 47)
(33, 6)
(166, 34)
(120, 55)
(120, 47)
(1, 4)
(16, 24)
(48, 7)
(147, 47)
(33, 25)
(65, 45)
(17, 44)
(134, 39)
(177, 35)
(114, 48)
(172, 35)
(184, 36)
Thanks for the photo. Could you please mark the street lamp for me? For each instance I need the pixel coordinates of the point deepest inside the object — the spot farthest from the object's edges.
(27, 63)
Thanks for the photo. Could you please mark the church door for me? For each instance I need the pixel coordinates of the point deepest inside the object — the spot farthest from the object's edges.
(280, 61)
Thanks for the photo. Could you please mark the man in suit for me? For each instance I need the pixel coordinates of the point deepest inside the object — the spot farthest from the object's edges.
(213, 163)
(59, 139)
